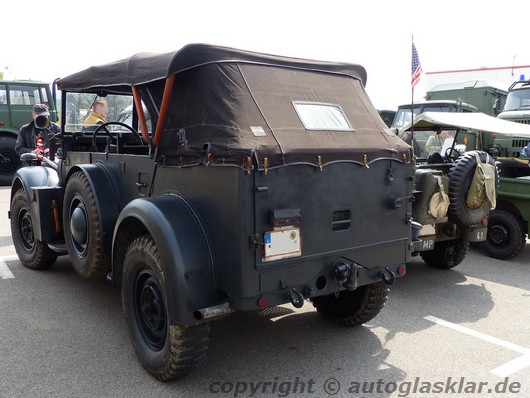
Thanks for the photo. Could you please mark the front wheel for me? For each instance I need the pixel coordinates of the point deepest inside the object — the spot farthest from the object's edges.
(506, 235)
(167, 351)
(446, 254)
(82, 229)
(32, 253)
(353, 308)
(9, 160)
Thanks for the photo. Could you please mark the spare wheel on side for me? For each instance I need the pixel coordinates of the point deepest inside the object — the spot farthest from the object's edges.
(460, 177)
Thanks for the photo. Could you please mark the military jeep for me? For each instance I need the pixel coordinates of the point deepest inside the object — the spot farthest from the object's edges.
(264, 180)
(443, 237)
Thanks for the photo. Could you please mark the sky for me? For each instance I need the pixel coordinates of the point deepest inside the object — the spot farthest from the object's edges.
(47, 40)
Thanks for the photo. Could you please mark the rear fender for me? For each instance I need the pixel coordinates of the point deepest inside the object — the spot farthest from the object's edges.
(184, 248)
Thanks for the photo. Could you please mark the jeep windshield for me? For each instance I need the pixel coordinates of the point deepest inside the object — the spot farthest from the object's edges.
(79, 105)
(403, 115)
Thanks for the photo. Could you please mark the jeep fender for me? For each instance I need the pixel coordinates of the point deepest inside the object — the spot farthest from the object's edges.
(107, 199)
(184, 248)
(34, 176)
(40, 188)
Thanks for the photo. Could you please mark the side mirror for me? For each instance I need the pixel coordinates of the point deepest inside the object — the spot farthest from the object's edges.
(497, 106)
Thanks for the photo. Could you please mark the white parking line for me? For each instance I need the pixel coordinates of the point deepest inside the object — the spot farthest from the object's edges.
(9, 258)
(504, 370)
(5, 272)
(513, 366)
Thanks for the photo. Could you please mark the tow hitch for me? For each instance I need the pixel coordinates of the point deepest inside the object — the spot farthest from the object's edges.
(296, 298)
(346, 273)
(388, 277)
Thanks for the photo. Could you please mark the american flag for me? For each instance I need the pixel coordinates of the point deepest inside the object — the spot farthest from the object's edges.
(416, 66)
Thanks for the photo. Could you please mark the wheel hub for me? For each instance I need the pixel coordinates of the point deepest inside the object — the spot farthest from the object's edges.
(150, 310)
(78, 225)
(26, 230)
(498, 234)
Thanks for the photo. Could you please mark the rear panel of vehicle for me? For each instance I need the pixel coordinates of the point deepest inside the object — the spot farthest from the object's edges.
(286, 228)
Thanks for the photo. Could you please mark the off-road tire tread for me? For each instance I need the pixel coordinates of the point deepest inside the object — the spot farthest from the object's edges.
(188, 344)
(436, 257)
(460, 176)
(43, 256)
(372, 301)
(99, 262)
(516, 245)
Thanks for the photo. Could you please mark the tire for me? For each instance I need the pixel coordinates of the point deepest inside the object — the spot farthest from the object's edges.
(506, 235)
(353, 308)
(446, 254)
(32, 253)
(460, 176)
(9, 160)
(82, 229)
(167, 351)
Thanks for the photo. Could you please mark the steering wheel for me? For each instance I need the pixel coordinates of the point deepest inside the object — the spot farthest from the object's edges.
(111, 136)
(451, 154)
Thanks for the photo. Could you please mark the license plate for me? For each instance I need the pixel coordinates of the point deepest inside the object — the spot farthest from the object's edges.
(285, 243)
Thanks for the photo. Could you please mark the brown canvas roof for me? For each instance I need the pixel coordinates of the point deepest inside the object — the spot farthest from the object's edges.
(228, 105)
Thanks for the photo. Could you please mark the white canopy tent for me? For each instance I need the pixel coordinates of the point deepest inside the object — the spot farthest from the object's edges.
(468, 121)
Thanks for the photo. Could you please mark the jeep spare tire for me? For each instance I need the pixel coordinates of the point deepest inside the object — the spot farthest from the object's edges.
(460, 177)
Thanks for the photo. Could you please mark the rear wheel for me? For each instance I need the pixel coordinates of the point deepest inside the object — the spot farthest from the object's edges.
(32, 253)
(446, 254)
(9, 160)
(353, 308)
(167, 351)
(82, 229)
(506, 235)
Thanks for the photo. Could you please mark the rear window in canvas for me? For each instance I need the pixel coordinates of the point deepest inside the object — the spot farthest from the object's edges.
(321, 116)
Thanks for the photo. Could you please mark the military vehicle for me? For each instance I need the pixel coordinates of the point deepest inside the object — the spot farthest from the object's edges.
(488, 96)
(264, 180)
(447, 176)
(404, 115)
(517, 106)
(387, 115)
(16, 105)
(509, 223)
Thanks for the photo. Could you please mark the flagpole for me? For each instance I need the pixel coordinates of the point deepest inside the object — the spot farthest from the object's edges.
(412, 112)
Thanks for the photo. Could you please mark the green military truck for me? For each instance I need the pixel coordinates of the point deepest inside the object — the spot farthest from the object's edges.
(16, 105)
(517, 106)
(509, 223)
(404, 115)
(462, 97)
(489, 97)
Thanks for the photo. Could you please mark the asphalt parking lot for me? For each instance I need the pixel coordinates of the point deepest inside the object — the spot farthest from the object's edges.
(463, 332)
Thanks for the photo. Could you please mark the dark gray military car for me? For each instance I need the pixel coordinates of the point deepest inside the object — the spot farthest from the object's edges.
(265, 180)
